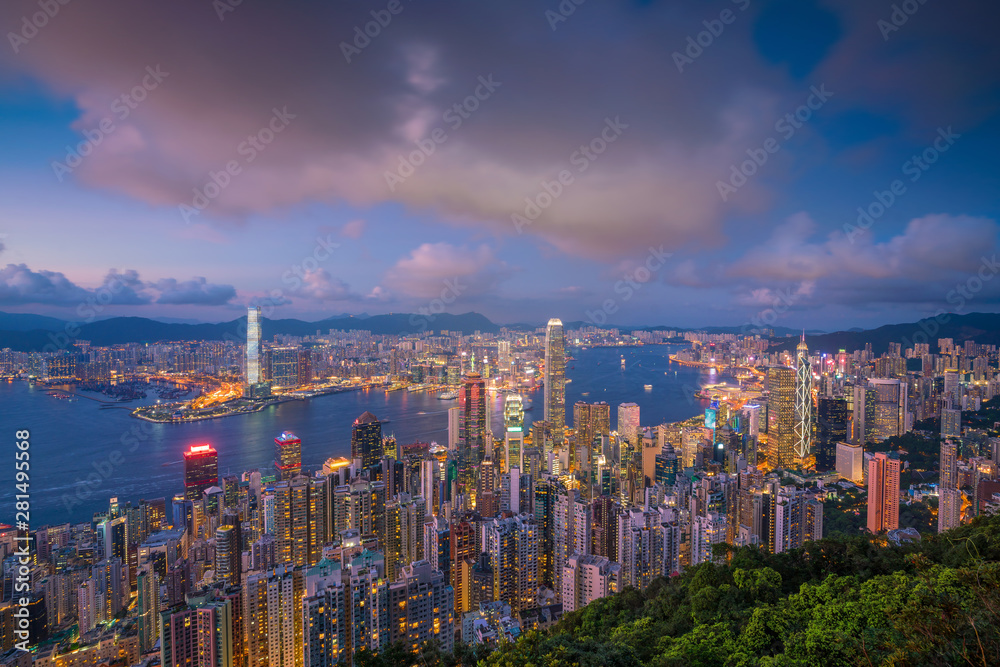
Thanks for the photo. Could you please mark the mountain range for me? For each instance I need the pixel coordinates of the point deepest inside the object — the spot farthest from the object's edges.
(28, 332)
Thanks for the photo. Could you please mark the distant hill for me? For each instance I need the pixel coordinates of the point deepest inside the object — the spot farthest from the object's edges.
(119, 330)
(984, 328)
(29, 322)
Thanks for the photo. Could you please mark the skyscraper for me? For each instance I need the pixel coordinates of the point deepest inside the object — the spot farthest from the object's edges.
(890, 407)
(474, 429)
(227, 554)
(803, 402)
(628, 422)
(781, 417)
(201, 470)
(555, 379)
(253, 345)
(198, 633)
(883, 493)
(832, 420)
(949, 497)
(366, 440)
(288, 456)
(513, 420)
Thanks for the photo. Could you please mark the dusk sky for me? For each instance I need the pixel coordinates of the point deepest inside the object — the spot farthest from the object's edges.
(651, 133)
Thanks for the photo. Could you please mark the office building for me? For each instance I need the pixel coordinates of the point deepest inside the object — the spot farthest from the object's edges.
(201, 470)
(366, 440)
(628, 423)
(513, 418)
(832, 425)
(781, 419)
(803, 403)
(287, 456)
(555, 380)
(253, 346)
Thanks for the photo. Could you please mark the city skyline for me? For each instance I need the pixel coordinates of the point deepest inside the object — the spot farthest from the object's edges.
(500, 333)
(830, 110)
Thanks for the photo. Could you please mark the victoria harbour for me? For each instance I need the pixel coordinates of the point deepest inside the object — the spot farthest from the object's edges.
(74, 440)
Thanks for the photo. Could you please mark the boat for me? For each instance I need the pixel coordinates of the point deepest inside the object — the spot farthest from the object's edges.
(623, 362)
(647, 387)
(448, 396)
(586, 393)
(527, 403)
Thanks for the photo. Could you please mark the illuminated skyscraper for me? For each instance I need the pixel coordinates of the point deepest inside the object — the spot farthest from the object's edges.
(781, 417)
(474, 436)
(555, 379)
(883, 493)
(949, 497)
(227, 554)
(288, 456)
(253, 345)
(951, 423)
(366, 440)
(832, 419)
(201, 470)
(628, 423)
(590, 421)
(513, 420)
(890, 407)
(803, 402)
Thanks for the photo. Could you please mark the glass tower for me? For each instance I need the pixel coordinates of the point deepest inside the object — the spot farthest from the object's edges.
(253, 345)
(555, 379)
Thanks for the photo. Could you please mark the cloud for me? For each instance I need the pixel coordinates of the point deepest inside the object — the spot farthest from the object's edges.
(20, 285)
(195, 292)
(319, 285)
(353, 230)
(354, 121)
(920, 265)
(458, 270)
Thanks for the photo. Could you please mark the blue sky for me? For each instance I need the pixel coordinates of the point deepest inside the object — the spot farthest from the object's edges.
(666, 122)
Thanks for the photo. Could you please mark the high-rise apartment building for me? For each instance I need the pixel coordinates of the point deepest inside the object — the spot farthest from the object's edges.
(588, 578)
(883, 492)
(199, 633)
(512, 545)
(513, 419)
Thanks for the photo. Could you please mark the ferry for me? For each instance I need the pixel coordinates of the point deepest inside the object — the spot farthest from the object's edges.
(647, 387)
(448, 396)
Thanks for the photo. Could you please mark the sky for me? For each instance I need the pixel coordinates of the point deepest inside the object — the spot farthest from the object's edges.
(804, 164)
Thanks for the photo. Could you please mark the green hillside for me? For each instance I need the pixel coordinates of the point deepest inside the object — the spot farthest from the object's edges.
(834, 602)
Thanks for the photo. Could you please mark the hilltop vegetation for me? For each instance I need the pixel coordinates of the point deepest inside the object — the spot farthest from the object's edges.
(845, 601)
